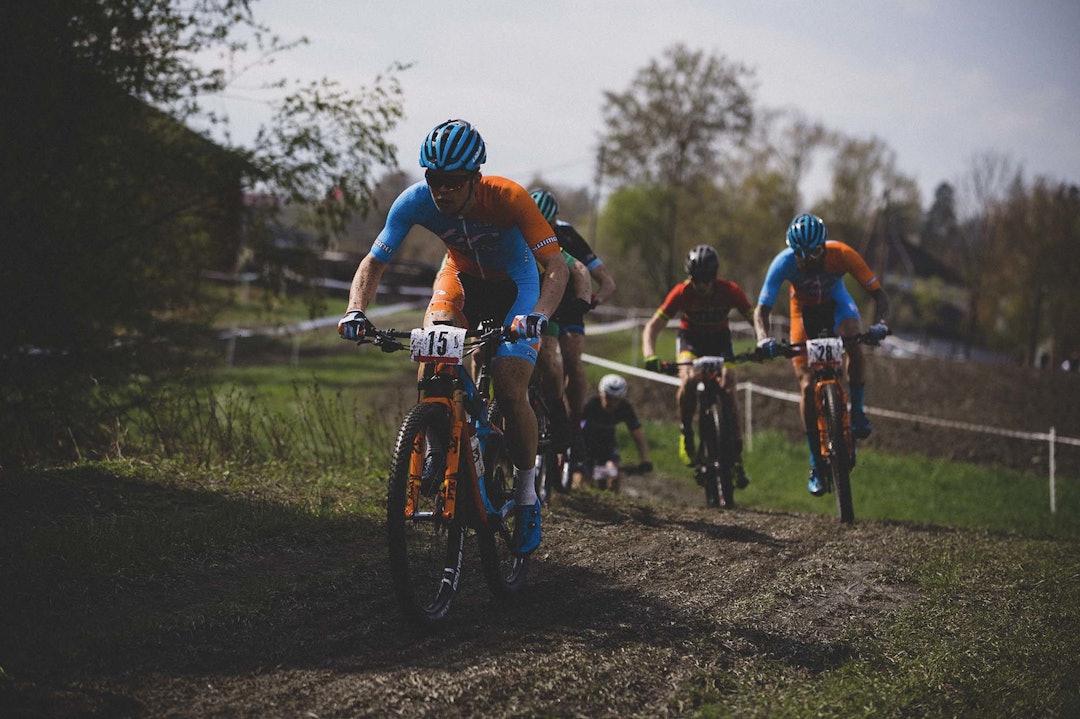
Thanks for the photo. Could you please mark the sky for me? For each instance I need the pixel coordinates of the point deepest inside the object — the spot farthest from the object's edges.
(939, 81)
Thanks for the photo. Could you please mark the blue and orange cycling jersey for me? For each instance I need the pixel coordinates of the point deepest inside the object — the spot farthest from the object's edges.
(501, 236)
(821, 287)
(704, 313)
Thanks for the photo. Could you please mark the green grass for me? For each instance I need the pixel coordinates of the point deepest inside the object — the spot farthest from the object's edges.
(993, 630)
(908, 488)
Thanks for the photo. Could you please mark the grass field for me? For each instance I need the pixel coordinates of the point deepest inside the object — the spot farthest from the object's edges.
(235, 566)
(903, 488)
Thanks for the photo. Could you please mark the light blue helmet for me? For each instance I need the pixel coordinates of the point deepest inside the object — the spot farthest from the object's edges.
(453, 145)
(549, 208)
(806, 233)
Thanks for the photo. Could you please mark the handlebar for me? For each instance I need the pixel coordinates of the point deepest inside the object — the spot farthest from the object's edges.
(389, 340)
(787, 349)
(710, 364)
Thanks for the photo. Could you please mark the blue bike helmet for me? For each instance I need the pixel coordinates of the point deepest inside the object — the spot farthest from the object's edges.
(547, 204)
(453, 145)
(806, 233)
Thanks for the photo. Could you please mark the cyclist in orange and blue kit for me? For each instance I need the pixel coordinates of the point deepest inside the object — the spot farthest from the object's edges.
(704, 301)
(815, 268)
(495, 236)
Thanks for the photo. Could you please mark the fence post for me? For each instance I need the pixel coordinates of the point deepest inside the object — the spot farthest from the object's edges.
(1053, 471)
(748, 424)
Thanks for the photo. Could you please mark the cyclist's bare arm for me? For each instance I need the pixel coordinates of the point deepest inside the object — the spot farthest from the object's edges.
(582, 284)
(365, 283)
(762, 314)
(881, 304)
(651, 331)
(556, 275)
(606, 284)
(642, 446)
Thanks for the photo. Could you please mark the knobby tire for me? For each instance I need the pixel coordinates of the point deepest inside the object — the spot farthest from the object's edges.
(425, 552)
(709, 452)
(504, 572)
(726, 449)
(839, 452)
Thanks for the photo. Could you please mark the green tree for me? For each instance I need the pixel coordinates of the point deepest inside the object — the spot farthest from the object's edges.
(1037, 298)
(669, 133)
(113, 207)
(864, 174)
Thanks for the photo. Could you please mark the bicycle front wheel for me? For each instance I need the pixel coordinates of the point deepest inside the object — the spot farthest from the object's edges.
(425, 551)
(838, 452)
(504, 571)
(725, 445)
(709, 455)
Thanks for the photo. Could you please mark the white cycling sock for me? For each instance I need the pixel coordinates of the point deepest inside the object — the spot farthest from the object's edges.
(525, 486)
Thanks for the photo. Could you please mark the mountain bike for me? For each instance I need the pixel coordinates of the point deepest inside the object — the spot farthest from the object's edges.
(714, 461)
(836, 445)
(450, 473)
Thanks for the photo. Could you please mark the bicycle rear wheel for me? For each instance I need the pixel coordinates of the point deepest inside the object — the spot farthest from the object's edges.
(838, 452)
(425, 551)
(550, 477)
(504, 571)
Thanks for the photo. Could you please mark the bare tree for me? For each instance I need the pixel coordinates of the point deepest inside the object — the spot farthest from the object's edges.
(980, 198)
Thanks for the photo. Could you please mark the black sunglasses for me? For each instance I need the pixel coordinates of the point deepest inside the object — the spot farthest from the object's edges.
(445, 182)
(812, 254)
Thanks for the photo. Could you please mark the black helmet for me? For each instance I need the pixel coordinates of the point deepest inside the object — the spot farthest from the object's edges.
(702, 263)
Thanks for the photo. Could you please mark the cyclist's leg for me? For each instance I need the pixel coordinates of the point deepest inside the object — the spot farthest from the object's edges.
(729, 382)
(572, 344)
(686, 396)
(550, 364)
(801, 327)
(848, 326)
(510, 378)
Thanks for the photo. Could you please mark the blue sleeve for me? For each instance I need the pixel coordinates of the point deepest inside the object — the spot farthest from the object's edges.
(779, 270)
(409, 209)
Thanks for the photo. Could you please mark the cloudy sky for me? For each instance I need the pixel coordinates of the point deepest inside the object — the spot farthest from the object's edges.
(939, 81)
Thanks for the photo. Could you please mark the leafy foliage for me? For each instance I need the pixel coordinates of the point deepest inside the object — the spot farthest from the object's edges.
(113, 208)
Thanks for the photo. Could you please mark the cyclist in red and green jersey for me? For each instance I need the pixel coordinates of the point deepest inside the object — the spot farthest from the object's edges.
(704, 302)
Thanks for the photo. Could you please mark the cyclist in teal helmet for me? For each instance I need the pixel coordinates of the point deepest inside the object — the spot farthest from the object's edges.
(549, 207)
(570, 317)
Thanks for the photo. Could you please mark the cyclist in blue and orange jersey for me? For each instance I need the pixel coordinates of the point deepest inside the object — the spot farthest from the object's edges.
(571, 312)
(704, 301)
(495, 236)
(815, 268)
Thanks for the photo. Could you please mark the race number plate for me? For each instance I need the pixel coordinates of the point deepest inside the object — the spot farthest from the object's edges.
(439, 343)
(709, 365)
(826, 351)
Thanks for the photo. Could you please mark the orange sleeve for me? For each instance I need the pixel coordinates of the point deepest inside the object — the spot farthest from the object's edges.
(850, 261)
(513, 206)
